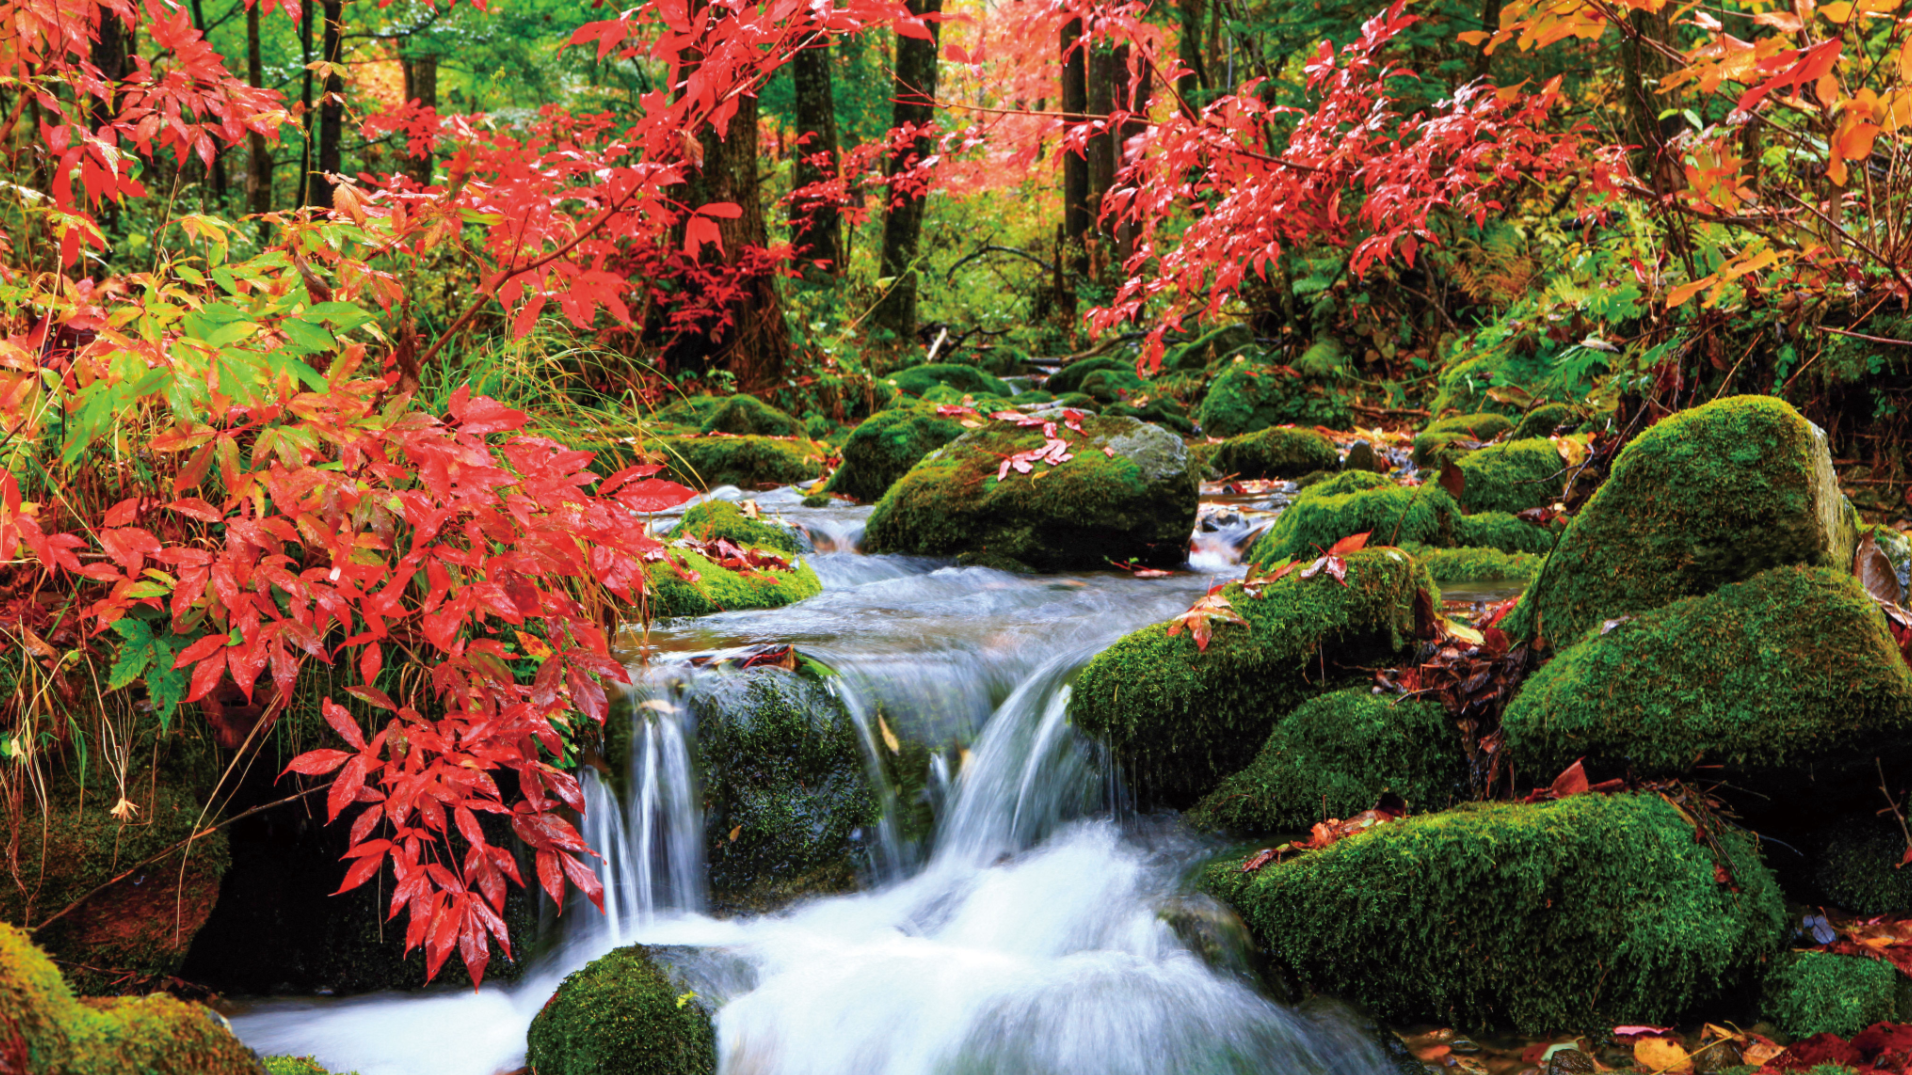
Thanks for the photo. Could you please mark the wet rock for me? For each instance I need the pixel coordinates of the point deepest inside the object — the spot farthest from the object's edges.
(1214, 932)
(1248, 396)
(885, 446)
(1272, 453)
(1127, 492)
(1606, 899)
(1570, 1062)
(1707, 497)
(688, 583)
(1362, 456)
(622, 1015)
(1431, 443)
(746, 462)
(918, 380)
(715, 519)
(1811, 993)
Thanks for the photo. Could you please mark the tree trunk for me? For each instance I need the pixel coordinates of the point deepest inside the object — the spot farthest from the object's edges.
(258, 154)
(1075, 169)
(332, 106)
(816, 230)
(1642, 67)
(217, 171)
(1102, 151)
(1136, 97)
(421, 85)
(1189, 49)
(915, 102)
(308, 117)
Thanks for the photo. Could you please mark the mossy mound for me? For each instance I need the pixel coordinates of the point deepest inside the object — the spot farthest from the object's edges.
(1706, 497)
(1542, 421)
(1811, 993)
(1587, 912)
(1359, 501)
(720, 589)
(1275, 453)
(1247, 397)
(1512, 476)
(153, 1035)
(1431, 442)
(1128, 492)
(1113, 385)
(621, 1015)
(748, 416)
(944, 395)
(689, 411)
(1199, 353)
(886, 446)
(1160, 411)
(1509, 533)
(1789, 682)
(1469, 564)
(1858, 868)
(1337, 754)
(918, 380)
(1180, 719)
(745, 462)
(297, 1065)
(1070, 377)
(724, 519)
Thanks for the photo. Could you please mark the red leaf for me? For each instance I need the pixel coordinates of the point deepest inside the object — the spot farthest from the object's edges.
(1571, 782)
(342, 723)
(1351, 543)
(206, 676)
(345, 787)
(362, 871)
(317, 762)
(199, 650)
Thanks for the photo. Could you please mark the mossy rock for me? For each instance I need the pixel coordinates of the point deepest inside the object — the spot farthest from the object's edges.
(1511, 476)
(1159, 411)
(1587, 912)
(714, 519)
(1201, 352)
(689, 411)
(1786, 686)
(152, 1035)
(1542, 421)
(1034, 395)
(719, 589)
(1247, 397)
(297, 1065)
(945, 395)
(1470, 564)
(745, 462)
(1360, 501)
(1275, 453)
(1077, 401)
(1338, 754)
(1128, 492)
(748, 416)
(1180, 719)
(918, 380)
(1070, 377)
(1113, 385)
(621, 1015)
(886, 446)
(1431, 442)
(1857, 868)
(1706, 497)
(1811, 993)
(1508, 533)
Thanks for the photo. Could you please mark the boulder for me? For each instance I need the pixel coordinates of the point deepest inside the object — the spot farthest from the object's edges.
(1594, 910)
(1857, 868)
(1431, 442)
(886, 446)
(1472, 564)
(688, 411)
(1127, 492)
(1179, 718)
(1811, 993)
(714, 519)
(1276, 452)
(622, 1015)
(1157, 410)
(748, 416)
(1543, 420)
(1070, 377)
(918, 380)
(688, 583)
(746, 462)
(1786, 686)
(1359, 501)
(1706, 497)
(1511, 476)
(1246, 397)
(1337, 754)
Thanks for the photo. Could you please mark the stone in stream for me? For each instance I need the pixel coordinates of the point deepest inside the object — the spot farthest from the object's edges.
(918, 380)
(1706, 497)
(58, 1034)
(1128, 491)
(714, 519)
(689, 583)
(886, 445)
(1809, 993)
(622, 1015)
(1362, 456)
(1594, 910)
(1276, 452)
(1360, 501)
(1179, 719)
(1511, 476)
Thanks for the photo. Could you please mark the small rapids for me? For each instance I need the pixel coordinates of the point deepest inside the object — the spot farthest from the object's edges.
(1033, 936)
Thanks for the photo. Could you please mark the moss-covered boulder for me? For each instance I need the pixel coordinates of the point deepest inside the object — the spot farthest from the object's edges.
(918, 380)
(689, 583)
(1431, 442)
(1508, 533)
(622, 1015)
(1070, 377)
(1358, 501)
(1275, 452)
(715, 519)
(1585, 912)
(886, 446)
(1157, 410)
(1113, 385)
(1246, 397)
(748, 416)
(1857, 868)
(1470, 564)
(943, 395)
(1198, 354)
(1511, 476)
(1542, 421)
(1338, 754)
(1179, 719)
(1787, 686)
(1811, 993)
(1706, 497)
(688, 411)
(745, 462)
(1127, 492)
(60, 1035)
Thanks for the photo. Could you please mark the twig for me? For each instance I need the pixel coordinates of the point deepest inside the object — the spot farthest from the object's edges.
(1894, 807)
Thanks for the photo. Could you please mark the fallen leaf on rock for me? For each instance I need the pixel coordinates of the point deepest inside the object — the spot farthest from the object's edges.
(1661, 1055)
(1200, 618)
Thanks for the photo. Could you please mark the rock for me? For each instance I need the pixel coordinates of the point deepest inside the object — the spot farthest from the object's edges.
(59, 1035)
(749, 463)
(1570, 1062)
(1274, 453)
(294, 1065)
(1470, 564)
(1359, 501)
(696, 586)
(886, 446)
(688, 412)
(1511, 476)
(1337, 754)
(1127, 492)
(621, 1015)
(1811, 993)
(1196, 355)
(1594, 910)
(1180, 719)
(1786, 686)
(1159, 410)
(1362, 456)
(1247, 397)
(1857, 868)
(749, 416)
(714, 519)
(1432, 441)
(940, 395)
(917, 380)
(1070, 377)
(1542, 421)
(1706, 497)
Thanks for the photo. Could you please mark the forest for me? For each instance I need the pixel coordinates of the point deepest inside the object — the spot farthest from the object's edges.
(944, 537)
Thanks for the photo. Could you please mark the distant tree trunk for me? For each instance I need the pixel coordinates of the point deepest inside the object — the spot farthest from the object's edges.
(332, 106)
(1642, 67)
(1102, 153)
(112, 53)
(421, 85)
(816, 230)
(309, 117)
(258, 155)
(217, 172)
(1136, 96)
(903, 224)
(1189, 49)
(1075, 169)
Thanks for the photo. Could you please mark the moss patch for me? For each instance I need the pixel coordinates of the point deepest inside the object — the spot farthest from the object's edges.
(1858, 868)
(886, 446)
(1542, 421)
(620, 1015)
(1431, 442)
(1247, 397)
(743, 416)
(1811, 993)
(745, 462)
(1338, 753)
(1706, 497)
(723, 519)
(1512, 476)
(1180, 719)
(1470, 564)
(1275, 453)
(1587, 912)
(719, 589)
(1353, 503)
(918, 380)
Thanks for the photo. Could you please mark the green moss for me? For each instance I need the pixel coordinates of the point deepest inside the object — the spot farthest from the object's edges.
(1078, 401)
(1585, 912)
(1159, 411)
(1336, 755)
(1706, 497)
(690, 411)
(917, 380)
(1247, 397)
(886, 446)
(1199, 353)
(746, 462)
(724, 519)
(945, 395)
(1113, 385)
(1352, 504)
(1180, 719)
(295, 1065)
(1858, 868)
(1789, 681)
(1430, 442)
(154, 1035)
(1135, 504)
(1542, 421)
(1811, 993)
(749, 416)
(1471, 564)
(1070, 377)
(1034, 395)
(1512, 476)
(1275, 453)
(1499, 530)
(719, 589)
(620, 1015)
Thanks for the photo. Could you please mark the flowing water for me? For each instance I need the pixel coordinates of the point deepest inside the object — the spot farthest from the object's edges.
(1032, 937)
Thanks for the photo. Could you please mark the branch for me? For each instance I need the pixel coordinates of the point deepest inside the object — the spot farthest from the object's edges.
(991, 248)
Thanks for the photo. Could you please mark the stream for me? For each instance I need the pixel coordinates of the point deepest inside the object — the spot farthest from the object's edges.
(1027, 938)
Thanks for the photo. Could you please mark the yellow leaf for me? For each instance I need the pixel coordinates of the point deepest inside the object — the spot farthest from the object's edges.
(1905, 61)
(1463, 632)
(1661, 1054)
(889, 737)
(1839, 11)
(1855, 138)
(736, 832)
(1473, 37)
(750, 509)
(1573, 450)
(1679, 295)
(1784, 21)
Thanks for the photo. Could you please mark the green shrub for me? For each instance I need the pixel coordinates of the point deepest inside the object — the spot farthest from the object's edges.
(621, 1015)
(714, 519)
(1811, 993)
(1275, 453)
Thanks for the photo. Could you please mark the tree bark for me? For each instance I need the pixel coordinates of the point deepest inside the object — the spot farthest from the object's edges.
(332, 105)
(1102, 153)
(915, 103)
(308, 116)
(816, 230)
(258, 154)
(421, 85)
(1075, 168)
(1189, 49)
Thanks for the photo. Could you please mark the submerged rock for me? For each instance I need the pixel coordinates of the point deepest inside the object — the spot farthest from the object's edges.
(1179, 719)
(622, 1015)
(886, 445)
(1128, 492)
(1247, 397)
(1590, 911)
(1706, 497)
(745, 462)
(1811, 993)
(1431, 443)
(1274, 453)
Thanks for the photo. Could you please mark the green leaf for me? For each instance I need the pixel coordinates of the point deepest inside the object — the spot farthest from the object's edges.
(310, 338)
(134, 656)
(166, 687)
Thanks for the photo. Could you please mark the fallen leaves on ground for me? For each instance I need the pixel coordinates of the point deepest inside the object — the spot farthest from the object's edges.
(1332, 831)
(1199, 620)
(1881, 1048)
(726, 553)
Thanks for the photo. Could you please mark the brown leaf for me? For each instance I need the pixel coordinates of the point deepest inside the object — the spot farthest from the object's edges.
(1453, 480)
(1875, 572)
(1571, 782)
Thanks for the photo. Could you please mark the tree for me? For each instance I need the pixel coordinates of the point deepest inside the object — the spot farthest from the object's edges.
(816, 229)
(915, 108)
